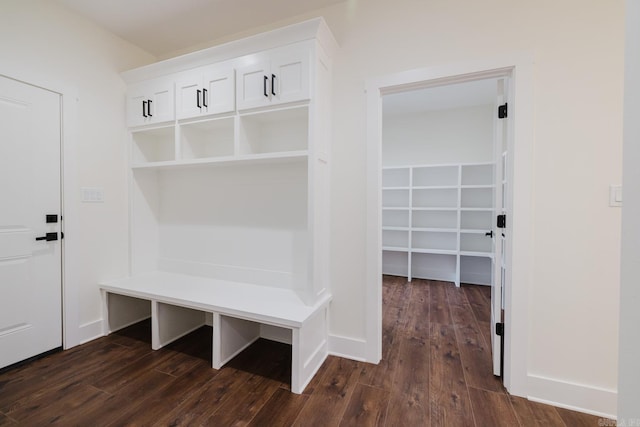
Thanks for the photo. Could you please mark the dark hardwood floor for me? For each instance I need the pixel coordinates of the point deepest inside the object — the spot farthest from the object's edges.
(436, 370)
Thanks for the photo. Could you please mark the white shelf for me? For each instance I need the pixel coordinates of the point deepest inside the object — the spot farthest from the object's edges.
(395, 228)
(435, 187)
(463, 209)
(436, 208)
(477, 254)
(438, 215)
(247, 159)
(477, 186)
(473, 231)
(395, 249)
(435, 230)
(434, 251)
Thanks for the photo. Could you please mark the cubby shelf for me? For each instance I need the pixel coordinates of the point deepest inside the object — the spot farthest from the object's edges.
(437, 216)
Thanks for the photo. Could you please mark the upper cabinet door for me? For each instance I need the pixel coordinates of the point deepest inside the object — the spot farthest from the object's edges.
(279, 76)
(205, 90)
(219, 95)
(150, 102)
(290, 75)
(253, 85)
(189, 94)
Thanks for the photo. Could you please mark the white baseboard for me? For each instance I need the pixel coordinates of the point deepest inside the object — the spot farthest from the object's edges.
(90, 331)
(350, 348)
(577, 397)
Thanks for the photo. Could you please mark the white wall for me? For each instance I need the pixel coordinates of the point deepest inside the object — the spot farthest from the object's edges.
(578, 50)
(43, 43)
(458, 135)
(629, 374)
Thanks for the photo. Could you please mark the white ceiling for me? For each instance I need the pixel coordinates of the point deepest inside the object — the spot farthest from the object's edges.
(164, 26)
(468, 94)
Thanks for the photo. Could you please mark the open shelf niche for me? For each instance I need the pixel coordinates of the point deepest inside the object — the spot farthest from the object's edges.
(241, 224)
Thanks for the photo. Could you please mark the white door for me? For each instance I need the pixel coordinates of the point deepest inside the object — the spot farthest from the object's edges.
(30, 264)
(498, 264)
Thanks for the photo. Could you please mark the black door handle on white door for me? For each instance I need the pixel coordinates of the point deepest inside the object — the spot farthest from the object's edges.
(144, 108)
(204, 98)
(198, 98)
(273, 84)
(149, 108)
(264, 86)
(48, 237)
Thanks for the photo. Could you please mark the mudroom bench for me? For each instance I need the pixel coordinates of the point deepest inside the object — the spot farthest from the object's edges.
(240, 313)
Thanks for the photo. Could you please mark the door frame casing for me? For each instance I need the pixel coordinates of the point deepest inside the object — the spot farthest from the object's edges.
(519, 68)
(71, 335)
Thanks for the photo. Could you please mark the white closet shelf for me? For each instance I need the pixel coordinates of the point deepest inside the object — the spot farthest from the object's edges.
(439, 208)
(435, 251)
(477, 254)
(478, 186)
(245, 159)
(446, 211)
(435, 229)
(395, 249)
(264, 304)
(435, 187)
(476, 209)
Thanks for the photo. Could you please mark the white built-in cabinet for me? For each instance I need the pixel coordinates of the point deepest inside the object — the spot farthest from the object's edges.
(205, 90)
(274, 77)
(436, 222)
(151, 102)
(229, 184)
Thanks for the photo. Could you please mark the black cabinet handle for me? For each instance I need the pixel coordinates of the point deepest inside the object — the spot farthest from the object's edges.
(264, 86)
(48, 237)
(144, 108)
(198, 98)
(149, 108)
(489, 233)
(204, 98)
(273, 84)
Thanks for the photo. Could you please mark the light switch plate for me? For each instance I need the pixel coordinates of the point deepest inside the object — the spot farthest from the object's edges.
(92, 194)
(615, 195)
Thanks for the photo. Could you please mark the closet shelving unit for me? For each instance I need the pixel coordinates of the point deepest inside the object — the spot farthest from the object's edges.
(435, 219)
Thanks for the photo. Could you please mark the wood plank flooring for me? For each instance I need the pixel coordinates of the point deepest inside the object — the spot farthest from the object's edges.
(436, 370)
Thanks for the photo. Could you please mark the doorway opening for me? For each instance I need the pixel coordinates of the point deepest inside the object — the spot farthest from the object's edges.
(443, 161)
(518, 72)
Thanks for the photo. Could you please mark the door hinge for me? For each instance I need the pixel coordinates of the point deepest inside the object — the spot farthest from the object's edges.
(499, 329)
(502, 111)
(502, 221)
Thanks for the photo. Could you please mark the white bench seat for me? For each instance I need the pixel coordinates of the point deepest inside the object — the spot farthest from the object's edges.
(178, 303)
